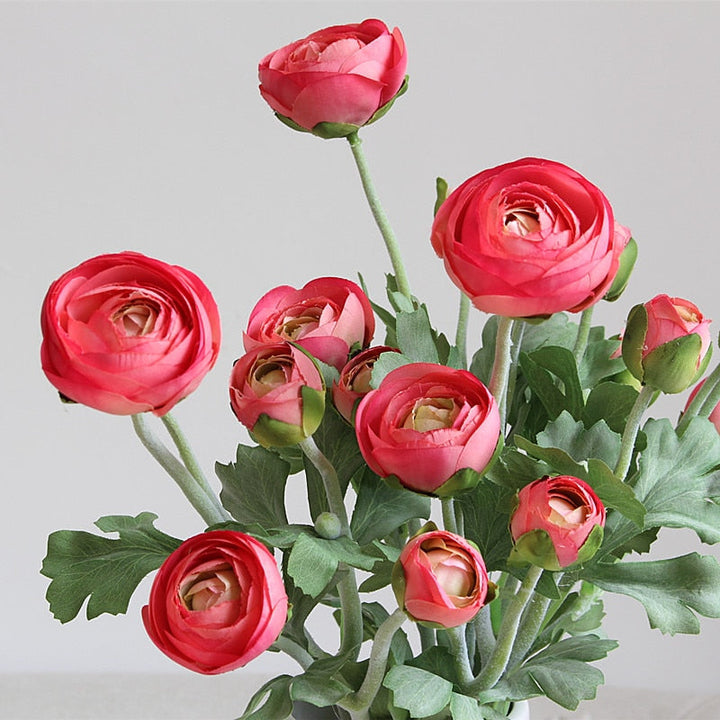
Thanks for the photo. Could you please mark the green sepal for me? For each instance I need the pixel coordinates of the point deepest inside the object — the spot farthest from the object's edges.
(313, 409)
(269, 432)
(330, 130)
(466, 478)
(634, 340)
(627, 262)
(672, 366)
(535, 547)
(384, 108)
(291, 123)
(441, 193)
(591, 545)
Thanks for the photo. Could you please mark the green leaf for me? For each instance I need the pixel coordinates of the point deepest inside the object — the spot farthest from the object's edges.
(514, 469)
(386, 363)
(614, 493)
(322, 684)
(437, 660)
(380, 508)
(278, 703)
(463, 707)
(415, 336)
(598, 362)
(611, 402)
(671, 591)
(82, 565)
(336, 439)
(248, 500)
(313, 561)
(561, 363)
(486, 511)
(419, 692)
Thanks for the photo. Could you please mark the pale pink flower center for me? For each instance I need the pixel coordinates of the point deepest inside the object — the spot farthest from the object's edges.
(522, 221)
(136, 318)
(269, 373)
(454, 573)
(361, 382)
(202, 591)
(431, 414)
(295, 328)
(566, 513)
(318, 56)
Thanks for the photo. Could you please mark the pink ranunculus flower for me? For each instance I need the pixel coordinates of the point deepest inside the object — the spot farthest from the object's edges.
(216, 603)
(426, 422)
(440, 579)
(125, 333)
(342, 74)
(329, 317)
(278, 394)
(354, 381)
(529, 238)
(564, 509)
(666, 343)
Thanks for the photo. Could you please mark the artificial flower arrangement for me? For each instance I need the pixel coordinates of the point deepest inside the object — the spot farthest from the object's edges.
(535, 452)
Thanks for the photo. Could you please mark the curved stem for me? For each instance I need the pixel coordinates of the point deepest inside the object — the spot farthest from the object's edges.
(530, 624)
(362, 699)
(583, 334)
(484, 635)
(191, 463)
(352, 627)
(495, 667)
(379, 215)
(448, 515)
(462, 324)
(178, 472)
(697, 404)
(501, 365)
(458, 643)
(295, 651)
(427, 637)
(631, 430)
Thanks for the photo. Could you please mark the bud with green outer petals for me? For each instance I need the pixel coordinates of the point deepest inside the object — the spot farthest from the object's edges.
(558, 522)
(666, 343)
(278, 393)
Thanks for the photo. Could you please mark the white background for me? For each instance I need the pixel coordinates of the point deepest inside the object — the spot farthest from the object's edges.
(139, 126)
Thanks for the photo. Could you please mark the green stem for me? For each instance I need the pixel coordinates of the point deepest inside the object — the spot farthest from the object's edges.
(427, 637)
(191, 463)
(379, 215)
(696, 407)
(448, 515)
(530, 624)
(178, 472)
(295, 651)
(583, 334)
(458, 643)
(462, 326)
(352, 626)
(362, 699)
(501, 365)
(484, 635)
(631, 430)
(495, 667)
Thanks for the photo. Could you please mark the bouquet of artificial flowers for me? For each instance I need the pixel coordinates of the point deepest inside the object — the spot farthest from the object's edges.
(533, 450)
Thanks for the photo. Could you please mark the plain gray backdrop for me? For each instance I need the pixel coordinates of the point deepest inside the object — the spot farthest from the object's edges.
(139, 126)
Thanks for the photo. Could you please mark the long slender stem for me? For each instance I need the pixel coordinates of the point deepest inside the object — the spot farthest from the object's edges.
(352, 627)
(495, 667)
(295, 651)
(427, 637)
(697, 404)
(631, 430)
(448, 515)
(530, 624)
(178, 472)
(583, 333)
(501, 365)
(191, 463)
(462, 326)
(362, 699)
(484, 635)
(458, 643)
(379, 215)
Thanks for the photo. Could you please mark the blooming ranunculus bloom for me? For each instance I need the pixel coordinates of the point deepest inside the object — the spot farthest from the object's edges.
(553, 520)
(278, 394)
(216, 603)
(329, 317)
(424, 423)
(341, 75)
(125, 334)
(354, 381)
(440, 578)
(666, 343)
(532, 237)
